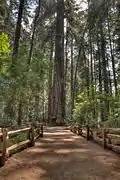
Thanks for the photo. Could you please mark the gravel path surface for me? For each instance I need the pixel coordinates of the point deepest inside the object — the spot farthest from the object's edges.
(61, 155)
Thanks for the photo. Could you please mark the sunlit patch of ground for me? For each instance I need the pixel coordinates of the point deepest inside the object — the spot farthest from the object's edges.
(62, 151)
(39, 150)
(61, 155)
(49, 139)
(69, 140)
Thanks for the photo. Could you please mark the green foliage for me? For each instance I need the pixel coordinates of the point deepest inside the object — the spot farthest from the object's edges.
(4, 46)
(87, 110)
(17, 139)
(84, 108)
(114, 114)
(24, 87)
(4, 52)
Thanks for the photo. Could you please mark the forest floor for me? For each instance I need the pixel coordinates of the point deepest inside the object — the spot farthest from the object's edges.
(61, 155)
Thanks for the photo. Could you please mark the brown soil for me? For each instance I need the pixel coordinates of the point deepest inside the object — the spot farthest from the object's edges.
(62, 155)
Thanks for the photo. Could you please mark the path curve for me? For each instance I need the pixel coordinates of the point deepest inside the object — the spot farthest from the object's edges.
(61, 155)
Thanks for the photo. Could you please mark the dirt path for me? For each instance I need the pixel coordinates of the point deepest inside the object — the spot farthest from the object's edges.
(62, 155)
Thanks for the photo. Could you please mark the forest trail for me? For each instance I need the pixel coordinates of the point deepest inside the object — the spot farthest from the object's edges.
(62, 155)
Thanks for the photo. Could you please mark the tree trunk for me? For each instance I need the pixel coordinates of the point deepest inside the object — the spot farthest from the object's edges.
(59, 96)
(33, 33)
(100, 78)
(50, 83)
(20, 113)
(75, 76)
(104, 73)
(72, 75)
(66, 64)
(112, 58)
(17, 35)
(37, 103)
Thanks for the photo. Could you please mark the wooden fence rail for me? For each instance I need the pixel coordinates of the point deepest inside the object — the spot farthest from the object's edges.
(32, 133)
(107, 137)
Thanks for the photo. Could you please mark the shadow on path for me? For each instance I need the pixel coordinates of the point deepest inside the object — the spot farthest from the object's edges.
(62, 155)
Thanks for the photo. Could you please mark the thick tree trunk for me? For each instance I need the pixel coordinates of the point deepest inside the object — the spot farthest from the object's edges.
(66, 64)
(50, 83)
(112, 58)
(100, 78)
(59, 91)
(72, 76)
(75, 76)
(104, 73)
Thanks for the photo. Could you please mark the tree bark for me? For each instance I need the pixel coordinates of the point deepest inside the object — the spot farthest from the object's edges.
(17, 34)
(50, 82)
(104, 73)
(66, 64)
(72, 76)
(59, 84)
(33, 33)
(20, 113)
(112, 58)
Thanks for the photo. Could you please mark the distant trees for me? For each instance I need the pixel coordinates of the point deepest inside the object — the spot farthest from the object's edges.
(103, 62)
(60, 61)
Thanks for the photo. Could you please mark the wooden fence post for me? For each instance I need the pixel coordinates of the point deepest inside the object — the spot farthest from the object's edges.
(28, 134)
(75, 129)
(88, 133)
(29, 137)
(4, 147)
(91, 134)
(41, 130)
(79, 130)
(32, 143)
(104, 138)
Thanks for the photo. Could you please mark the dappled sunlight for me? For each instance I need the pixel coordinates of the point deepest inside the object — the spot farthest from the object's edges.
(80, 150)
(105, 160)
(59, 156)
(69, 140)
(49, 139)
(19, 172)
(65, 151)
(62, 151)
(39, 150)
(56, 133)
(75, 137)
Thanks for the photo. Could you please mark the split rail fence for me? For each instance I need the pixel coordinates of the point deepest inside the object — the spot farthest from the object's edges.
(107, 137)
(7, 149)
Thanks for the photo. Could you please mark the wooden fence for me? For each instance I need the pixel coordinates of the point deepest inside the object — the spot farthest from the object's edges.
(32, 133)
(107, 137)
